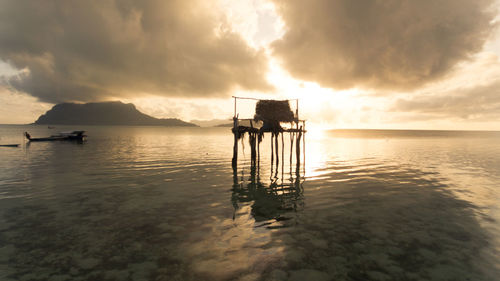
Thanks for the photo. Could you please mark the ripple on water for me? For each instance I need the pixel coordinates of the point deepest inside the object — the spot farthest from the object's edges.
(154, 206)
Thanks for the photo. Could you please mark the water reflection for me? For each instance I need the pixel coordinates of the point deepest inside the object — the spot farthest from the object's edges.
(269, 201)
(160, 205)
(385, 222)
(365, 220)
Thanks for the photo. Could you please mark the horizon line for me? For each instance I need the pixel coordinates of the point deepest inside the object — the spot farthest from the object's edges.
(327, 129)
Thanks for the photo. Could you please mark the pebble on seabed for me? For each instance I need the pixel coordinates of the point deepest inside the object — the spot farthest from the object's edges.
(308, 274)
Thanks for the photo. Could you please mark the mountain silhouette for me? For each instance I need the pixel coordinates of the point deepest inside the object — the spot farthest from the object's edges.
(103, 113)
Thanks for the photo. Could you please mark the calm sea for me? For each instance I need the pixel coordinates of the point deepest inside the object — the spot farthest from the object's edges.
(153, 203)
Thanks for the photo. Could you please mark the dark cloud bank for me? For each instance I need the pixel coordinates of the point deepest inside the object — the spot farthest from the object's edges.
(90, 50)
(384, 44)
(93, 50)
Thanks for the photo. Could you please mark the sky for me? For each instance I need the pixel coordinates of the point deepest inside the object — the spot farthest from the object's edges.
(393, 64)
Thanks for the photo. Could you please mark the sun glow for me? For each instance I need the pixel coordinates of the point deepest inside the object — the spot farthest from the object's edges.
(322, 107)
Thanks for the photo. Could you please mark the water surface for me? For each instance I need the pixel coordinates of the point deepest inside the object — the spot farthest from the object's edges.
(153, 203)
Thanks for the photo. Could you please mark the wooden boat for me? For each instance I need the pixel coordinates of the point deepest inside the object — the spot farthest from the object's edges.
(72, 135)
(9, 145)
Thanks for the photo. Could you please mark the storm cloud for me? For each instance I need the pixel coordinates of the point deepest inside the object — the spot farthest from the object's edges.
(93, 50)
(380, 44)
(478, 103)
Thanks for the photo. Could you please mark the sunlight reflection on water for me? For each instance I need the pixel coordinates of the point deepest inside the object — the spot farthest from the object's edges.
(151, 203)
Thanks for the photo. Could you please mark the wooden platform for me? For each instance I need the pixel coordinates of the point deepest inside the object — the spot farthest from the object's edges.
(246, 129)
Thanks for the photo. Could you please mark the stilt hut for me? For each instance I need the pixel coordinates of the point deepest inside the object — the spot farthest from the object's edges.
(269, 117)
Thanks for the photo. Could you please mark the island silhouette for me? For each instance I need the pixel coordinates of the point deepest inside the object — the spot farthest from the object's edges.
(103, 113)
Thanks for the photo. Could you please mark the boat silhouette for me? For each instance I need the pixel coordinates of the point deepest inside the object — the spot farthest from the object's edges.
(62, 136)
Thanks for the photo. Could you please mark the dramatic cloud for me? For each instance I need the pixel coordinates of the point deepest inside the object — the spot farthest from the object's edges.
(472, 94)
(481, 102)
(382, 44)
(93, 50)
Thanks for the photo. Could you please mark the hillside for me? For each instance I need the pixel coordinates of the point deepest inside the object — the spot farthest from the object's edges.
(103, 113)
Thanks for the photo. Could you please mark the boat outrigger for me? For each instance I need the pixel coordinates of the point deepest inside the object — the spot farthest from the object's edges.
(72, 135)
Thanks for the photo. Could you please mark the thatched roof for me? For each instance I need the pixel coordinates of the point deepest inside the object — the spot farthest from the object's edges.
(273, 111)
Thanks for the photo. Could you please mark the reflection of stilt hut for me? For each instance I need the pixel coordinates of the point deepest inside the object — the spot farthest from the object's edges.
(270, 117)
(273, 201)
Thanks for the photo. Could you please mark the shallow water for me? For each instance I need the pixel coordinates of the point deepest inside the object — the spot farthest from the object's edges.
(149, 203)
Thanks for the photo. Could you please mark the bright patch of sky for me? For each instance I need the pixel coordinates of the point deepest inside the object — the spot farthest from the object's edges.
(256, 20)
(6, 69)
(20, 108)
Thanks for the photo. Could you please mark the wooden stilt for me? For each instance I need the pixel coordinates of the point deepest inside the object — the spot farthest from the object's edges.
(297, 149)
(254, 149)
(277, 151)
(282, 156)
(272, 152)
(304, 146)
(258, 153)
(235, 147)
(292, 136)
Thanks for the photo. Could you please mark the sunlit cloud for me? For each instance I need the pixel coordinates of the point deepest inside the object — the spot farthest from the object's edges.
(257, 21)
(89, 51)
(472, 93)
(393, 44)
